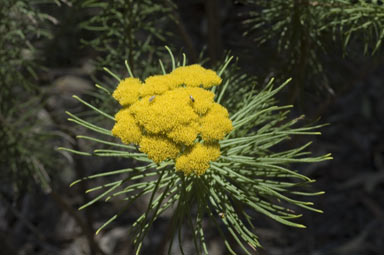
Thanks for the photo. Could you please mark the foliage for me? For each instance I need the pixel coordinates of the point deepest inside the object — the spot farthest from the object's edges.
(359, 20)
(303, 30)
(23, 155)
(251, 175)
(126, 30)
(342, 19)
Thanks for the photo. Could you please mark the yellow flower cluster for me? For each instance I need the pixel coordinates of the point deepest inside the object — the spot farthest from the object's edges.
(173, 116)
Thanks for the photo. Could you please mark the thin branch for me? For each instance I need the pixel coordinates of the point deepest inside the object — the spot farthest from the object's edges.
(192, 54)
(214, 38)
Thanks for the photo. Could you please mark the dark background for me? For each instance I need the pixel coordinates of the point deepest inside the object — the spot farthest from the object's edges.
(43, 219)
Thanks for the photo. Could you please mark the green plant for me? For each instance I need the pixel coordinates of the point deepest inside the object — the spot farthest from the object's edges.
(305, 32)
(22, 134)
(250, 175)
(126, 30)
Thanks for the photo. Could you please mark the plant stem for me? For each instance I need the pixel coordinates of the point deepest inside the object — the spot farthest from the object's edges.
(214, 38)
(191, 51)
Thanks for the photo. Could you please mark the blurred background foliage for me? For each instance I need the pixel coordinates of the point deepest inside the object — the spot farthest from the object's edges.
(22, 28)
(52, 49)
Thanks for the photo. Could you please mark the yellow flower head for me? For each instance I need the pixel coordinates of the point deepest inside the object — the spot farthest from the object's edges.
(173, 117)
(158, 84)
(158, 148)
(126, 127)
(196, 76)
(201, 99)
(197, 159)
(215, 124)
(160, 114)
(127, 92)
(184, 134)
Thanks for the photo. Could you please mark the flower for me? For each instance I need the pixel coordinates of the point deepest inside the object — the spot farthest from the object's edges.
(127, 92)
(173, 116)
(215, 124)
(197, 158)
(158, 148)
(203, 163)
(126, 127)
(184, 134)
(158, 84)
(196, 76)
